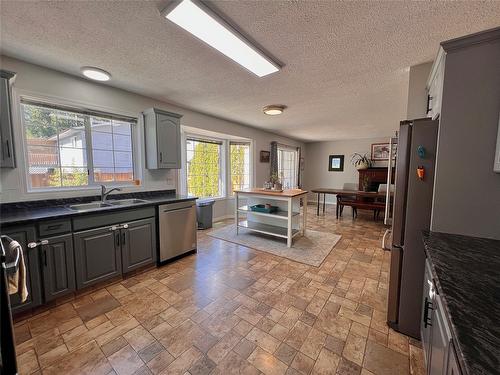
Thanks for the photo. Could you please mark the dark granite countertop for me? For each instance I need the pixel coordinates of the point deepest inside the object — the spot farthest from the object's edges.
(26, 212)
(466, 271)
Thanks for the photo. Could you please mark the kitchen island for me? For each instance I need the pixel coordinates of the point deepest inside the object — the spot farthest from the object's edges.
(283, 223)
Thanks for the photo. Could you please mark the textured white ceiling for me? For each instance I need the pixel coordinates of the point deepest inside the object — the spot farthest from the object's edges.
(346, 63)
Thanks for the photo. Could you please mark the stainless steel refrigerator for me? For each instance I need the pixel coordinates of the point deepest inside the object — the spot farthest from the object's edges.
(416, 156)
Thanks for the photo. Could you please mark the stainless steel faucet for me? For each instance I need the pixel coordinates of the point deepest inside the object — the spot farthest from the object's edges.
(104, 193)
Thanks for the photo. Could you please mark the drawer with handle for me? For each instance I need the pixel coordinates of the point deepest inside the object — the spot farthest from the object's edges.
(52, 227)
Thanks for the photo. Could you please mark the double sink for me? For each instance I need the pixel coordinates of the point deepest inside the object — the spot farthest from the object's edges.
(109, 203)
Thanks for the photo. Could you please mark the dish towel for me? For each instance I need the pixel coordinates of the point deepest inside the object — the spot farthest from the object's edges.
(17, 280)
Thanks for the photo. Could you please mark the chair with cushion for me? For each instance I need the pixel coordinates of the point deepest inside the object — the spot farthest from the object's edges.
(382, 188)
(347, 200)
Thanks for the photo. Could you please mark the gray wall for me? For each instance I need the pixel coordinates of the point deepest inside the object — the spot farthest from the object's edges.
(417, 92)
(38, 81)
(316, 171)
(466, 190)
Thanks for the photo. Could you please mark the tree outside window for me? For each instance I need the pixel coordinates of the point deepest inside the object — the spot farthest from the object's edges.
(240, 165)
(204, 168)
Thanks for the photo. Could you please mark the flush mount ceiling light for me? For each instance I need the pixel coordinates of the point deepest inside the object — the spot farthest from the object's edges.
(196, 18)
(273, 110)
(95, 73)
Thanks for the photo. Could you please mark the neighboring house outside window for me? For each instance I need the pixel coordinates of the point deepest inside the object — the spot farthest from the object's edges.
(239, 164)
(288, 166)
(71, 149)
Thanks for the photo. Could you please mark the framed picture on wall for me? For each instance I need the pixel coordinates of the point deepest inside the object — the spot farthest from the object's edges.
(265, 156)
(336, 163)
(380, 151)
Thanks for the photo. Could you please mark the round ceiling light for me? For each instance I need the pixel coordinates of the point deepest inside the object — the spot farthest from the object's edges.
(273, 110)
(95, 73)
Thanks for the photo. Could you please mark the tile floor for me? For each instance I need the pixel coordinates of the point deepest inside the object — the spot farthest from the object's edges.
(233, 310)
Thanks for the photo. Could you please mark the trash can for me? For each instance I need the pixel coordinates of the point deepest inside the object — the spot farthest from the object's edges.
(204, 212)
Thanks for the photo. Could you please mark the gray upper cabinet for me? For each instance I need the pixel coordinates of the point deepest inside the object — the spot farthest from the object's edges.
(97, 255)
(25, 235)
(58, 266)
(138, 242)
(7, 158)
(163, 139)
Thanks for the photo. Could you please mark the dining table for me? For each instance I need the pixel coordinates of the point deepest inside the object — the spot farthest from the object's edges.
(346, 193)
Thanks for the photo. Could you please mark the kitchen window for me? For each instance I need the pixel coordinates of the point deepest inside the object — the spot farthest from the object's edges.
(239, 164)
(204, 167)
(288, 166)
(68, 148)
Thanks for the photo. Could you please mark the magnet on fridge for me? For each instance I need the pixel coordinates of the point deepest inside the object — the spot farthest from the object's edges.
(420, 172)
(421, 151)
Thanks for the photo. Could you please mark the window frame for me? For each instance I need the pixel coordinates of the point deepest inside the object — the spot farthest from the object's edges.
(297, 162)
(225, 161)
(248, 143)
(222, 162)
(87, 111)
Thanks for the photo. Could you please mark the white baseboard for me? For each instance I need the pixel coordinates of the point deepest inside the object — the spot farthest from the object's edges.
(222, 218)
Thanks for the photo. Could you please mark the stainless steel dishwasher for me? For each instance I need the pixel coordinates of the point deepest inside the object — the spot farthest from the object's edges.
(177, 223)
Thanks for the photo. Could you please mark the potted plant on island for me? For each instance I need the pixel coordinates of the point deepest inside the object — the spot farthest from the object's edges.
(361, 161)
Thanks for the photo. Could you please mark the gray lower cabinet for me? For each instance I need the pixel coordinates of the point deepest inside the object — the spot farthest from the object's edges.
(109, 251)
(437, 342)
(58, 266)
(97, 255)
(453, 367)
(25, 235)
(440, 340)
(138, 244)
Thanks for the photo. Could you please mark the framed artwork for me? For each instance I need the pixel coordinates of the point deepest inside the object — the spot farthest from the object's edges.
(336, 163)
(265, 156)
(380, 151)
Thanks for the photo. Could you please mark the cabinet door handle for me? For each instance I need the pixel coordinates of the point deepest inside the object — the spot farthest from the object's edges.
(32, 245)
(54, 226)
(117, 239)
(123, 238)
(8, 148)
(45, 257)
(161, 157)
(429, 98)
(427, 307)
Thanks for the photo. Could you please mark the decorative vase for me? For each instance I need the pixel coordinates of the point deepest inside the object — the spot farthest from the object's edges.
(362, 165)
(278, 186)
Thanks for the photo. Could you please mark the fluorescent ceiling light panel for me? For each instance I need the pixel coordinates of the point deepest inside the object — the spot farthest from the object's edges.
(219, 35)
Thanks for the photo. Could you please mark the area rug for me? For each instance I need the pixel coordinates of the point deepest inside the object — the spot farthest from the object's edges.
(311, 249)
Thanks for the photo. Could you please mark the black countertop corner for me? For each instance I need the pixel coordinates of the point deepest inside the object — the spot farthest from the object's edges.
(466, 271)
(31, 211)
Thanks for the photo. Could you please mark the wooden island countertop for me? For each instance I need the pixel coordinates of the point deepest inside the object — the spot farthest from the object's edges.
(289, 193)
